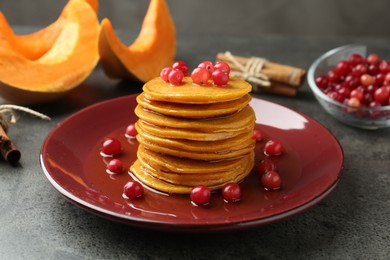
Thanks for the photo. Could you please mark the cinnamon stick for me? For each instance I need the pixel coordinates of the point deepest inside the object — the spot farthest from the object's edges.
(7, 149)
(289, 75)
(277, 88)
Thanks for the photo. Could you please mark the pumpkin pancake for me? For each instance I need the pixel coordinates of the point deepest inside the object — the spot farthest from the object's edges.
(231, 123)
(197, 156)
(234, 143)
(190, 93)
(176, 133)
(167, 163)
(146, 178)
(196, 179)
(194, 111)
(190, 135)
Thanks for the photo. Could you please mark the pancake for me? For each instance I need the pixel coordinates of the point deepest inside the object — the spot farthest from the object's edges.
(230, 123)
(167, 163)
(198, 156)
(191, 111)
(220, 146)
(212, 179)
(176, 133)
(189, 93)
(146, 178)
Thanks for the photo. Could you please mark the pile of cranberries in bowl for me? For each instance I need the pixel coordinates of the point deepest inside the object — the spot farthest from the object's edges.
(353, 86)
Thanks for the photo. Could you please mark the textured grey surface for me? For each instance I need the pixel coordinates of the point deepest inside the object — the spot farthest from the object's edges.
(351, 223)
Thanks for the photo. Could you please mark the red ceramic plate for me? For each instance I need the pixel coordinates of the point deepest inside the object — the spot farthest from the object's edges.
(310, 168)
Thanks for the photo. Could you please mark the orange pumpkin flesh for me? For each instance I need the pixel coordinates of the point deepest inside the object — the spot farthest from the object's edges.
(153, 49)
(67, 63)
(35, 44)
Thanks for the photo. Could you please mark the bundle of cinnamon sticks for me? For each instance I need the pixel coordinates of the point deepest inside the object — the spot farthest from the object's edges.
(7, 149)
(7, 117)
(266, 76)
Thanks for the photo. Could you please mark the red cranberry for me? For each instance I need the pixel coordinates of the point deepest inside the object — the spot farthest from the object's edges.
(373, 59)
(360, 69)
(380, 78)
(220, 65)
(357, 93)
(370, 89)
(131, 131)
(220, 78)
(257, 135)
(231, 192)
(344, 91)
(387, 79)
(175, 77)
(333, 77)
(266, 165)
(133, 189)
(200, 76)
(200, 195)
(111, 146)
(342, 68)
(353, 102)
(165, 73)
(356, 59)
(271, 180)
(384, 67)
(322, 81)
(208, 65)
(374, 113)
(367, 79)
(273, 147)
(115, 166)
(352, 81)
(181, 65)
(335, 96)
(382, 94)
(368, 98)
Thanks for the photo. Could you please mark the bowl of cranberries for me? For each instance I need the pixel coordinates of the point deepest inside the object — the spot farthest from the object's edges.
(353, 85)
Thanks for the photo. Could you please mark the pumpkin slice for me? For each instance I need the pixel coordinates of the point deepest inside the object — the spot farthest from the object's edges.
(34, 45)
(153, 49)
(64, 66)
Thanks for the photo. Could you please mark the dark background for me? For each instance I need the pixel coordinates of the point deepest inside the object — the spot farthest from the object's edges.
(245, 17)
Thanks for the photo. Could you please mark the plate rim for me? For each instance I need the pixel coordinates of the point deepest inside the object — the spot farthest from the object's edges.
(187, 227)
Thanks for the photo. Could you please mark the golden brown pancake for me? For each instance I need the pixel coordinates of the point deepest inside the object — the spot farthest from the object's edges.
(191, 111)
(176, 133)
(196, 155)
(147, 178)
(231, 123)
(220, 146)
(212, 179)
(212, 154)
(190, 93)
(167, 163)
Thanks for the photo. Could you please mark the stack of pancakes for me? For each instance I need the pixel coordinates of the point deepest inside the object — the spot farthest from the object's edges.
(190, 135)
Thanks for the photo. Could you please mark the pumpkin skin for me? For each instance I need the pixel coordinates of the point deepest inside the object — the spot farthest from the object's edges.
(153, 49)
(65, 65)
(35, 44)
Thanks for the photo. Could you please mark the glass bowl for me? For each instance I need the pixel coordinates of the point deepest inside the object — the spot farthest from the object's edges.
(361, 117)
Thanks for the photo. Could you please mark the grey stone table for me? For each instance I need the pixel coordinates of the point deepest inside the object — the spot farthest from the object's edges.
(36, 222)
